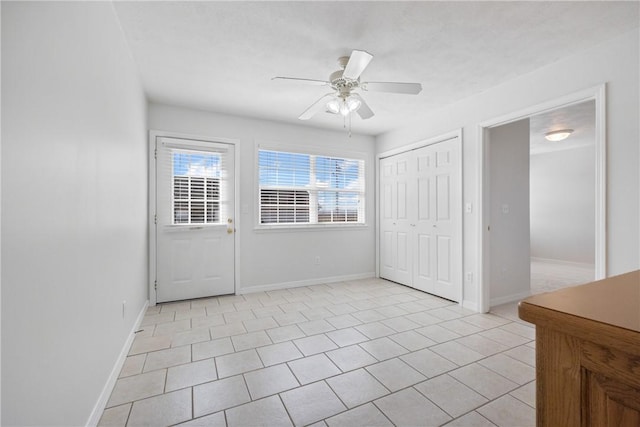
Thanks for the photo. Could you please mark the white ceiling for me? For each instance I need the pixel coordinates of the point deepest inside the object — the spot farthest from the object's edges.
(221, 56)
(579, 117)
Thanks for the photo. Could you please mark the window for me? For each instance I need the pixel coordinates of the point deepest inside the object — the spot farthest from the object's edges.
(196, 187)
(300, 188)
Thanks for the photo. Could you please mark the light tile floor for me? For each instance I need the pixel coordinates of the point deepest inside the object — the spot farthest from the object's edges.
(367, 352)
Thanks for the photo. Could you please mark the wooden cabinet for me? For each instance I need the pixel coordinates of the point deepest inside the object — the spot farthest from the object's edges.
(588, 353)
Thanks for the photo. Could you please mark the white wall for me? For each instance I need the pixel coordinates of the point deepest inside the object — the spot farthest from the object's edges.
(615, 63)
(563, 205)
(74, 202)
(273, 258)
(510, 266)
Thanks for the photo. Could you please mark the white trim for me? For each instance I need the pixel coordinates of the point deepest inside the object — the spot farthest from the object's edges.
(597, 94)
(376, 207)
(270, 145)
(422, 143)
(103, 399)
(307, 282)
(482, 258)
(326, 226)
(153, 136)
(601, 183)
(510, 298)
(266, 144)
(410, 147)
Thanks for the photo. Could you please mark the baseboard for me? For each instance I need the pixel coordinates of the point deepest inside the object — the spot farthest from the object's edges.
(564, 262)
(301, 283)
(509, 298)
(98, 409)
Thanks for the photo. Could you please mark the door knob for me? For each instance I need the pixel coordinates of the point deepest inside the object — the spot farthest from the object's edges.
(229, 230)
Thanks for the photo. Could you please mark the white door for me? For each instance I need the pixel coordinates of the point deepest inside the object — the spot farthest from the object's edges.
(421, 219)
(395, 239)
(195, 225)
(438, 220)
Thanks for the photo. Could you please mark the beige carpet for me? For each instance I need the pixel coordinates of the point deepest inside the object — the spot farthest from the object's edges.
(549, 276)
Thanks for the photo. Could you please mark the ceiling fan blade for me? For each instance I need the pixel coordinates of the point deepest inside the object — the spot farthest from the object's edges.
(307, 81)
(358, 61)
(315, 107)
(406, 88)
(364, 111)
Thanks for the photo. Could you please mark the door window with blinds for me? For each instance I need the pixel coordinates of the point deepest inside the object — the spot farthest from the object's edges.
(298, 188)
(198, 186)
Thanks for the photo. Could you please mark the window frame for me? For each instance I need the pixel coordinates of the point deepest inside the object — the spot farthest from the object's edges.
(313, 151)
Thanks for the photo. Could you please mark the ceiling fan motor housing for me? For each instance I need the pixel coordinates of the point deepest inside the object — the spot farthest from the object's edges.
(341, 84)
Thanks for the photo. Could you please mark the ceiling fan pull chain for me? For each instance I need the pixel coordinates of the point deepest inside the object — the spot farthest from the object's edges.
(350, 114)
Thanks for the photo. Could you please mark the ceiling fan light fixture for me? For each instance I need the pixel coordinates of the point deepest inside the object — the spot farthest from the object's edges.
(353, 104)
(333, 106)
(558, 135)
(343, 106)
(345, 83)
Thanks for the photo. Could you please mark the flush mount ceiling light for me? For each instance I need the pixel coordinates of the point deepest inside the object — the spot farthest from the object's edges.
(558, 135)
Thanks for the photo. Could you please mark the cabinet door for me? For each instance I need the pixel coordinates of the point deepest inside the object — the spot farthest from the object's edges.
(610, 386)
(610, 402)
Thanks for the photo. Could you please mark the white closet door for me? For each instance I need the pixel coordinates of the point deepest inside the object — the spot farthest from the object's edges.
(421, 219)
(395, 233)
(424, 227)
(438, 252)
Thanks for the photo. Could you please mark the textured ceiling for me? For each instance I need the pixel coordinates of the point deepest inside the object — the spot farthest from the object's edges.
(221, 56)
(579, 117)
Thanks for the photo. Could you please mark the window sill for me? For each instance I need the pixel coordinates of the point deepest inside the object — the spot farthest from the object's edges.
(289, 228)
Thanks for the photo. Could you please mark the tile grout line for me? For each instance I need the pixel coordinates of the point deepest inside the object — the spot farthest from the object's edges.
(352, 292)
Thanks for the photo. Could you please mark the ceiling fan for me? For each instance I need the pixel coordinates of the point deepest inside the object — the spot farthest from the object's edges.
(345, 82)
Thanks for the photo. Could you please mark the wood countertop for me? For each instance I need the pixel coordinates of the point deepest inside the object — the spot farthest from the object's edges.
(614, 301)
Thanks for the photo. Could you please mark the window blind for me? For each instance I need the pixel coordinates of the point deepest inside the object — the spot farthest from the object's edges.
(197, 185)
(305, 188)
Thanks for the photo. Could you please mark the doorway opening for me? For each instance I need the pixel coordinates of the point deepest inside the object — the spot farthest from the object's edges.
(537, 199)
(562, 198)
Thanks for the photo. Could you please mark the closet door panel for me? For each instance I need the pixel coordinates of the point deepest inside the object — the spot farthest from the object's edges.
(420, 219)
(443, 198)
(423, 259)
(395, 209)
(443, 259)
